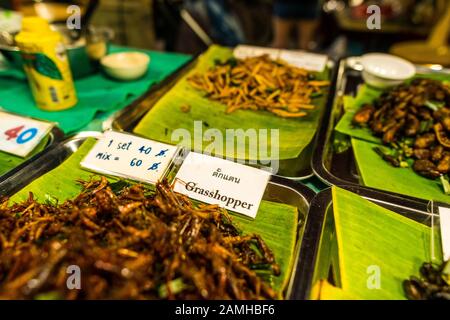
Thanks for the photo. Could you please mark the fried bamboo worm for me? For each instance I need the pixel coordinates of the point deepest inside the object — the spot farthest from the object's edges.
(260, 83)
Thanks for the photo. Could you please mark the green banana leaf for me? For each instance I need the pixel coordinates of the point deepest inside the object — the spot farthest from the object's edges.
(365, 95)
(370, 238)
(375, 172)
(166, 116)
(9, 161)
(275, 222)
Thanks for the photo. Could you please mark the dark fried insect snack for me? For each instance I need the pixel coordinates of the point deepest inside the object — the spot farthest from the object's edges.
(260, 83)
(434, 283)
(415, 120)
(129, 243)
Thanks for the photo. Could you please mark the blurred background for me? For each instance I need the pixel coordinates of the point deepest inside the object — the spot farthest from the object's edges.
(335, 27)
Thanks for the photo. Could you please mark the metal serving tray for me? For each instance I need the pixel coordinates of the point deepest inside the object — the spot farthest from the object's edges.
(278, 190)
(55, 136)
(319, 231)
(127, 119)
(341, 169)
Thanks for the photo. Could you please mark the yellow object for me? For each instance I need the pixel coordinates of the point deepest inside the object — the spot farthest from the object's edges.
(46, 65)
(433, 51)
(323, 290)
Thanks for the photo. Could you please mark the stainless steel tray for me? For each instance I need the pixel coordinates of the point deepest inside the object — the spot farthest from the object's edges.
(340, 169)
(40, 164)
(127, 118)
(278, 190)
(318, 230)
(55, 136)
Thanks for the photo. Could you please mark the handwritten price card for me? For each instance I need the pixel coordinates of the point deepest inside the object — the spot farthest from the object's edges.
(128, 156)
(20, 135)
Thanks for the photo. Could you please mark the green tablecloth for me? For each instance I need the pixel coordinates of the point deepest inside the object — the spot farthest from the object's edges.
(96, 93)
(315, 184)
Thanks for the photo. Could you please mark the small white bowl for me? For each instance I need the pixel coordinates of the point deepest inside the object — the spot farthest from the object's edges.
(383, 70)
(125, 65)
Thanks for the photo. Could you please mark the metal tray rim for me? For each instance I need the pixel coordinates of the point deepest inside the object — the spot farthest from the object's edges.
(326, 130)
(305, 194)
(111, 122)
(56, 135)
(315, 222)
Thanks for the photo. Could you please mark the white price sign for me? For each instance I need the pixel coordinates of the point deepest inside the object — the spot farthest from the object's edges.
(20, 135)
(305, 60)
(444, 220)
(213, 180)
(244, 51)
(301, 59)
(125, 155)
